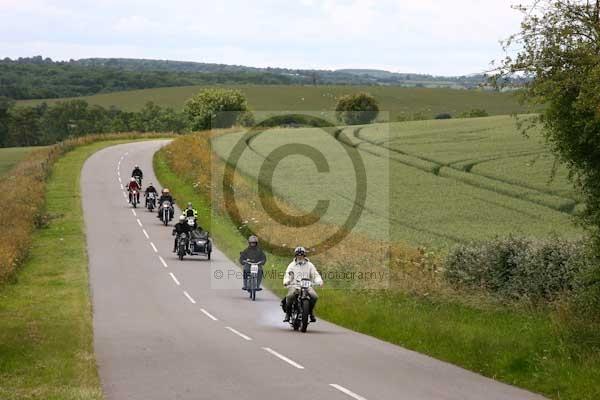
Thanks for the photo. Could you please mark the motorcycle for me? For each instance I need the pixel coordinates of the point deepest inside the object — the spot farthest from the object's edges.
(194, 243)
(299, 317)
(182, 245)
(165, 212)
(134, 198)
(252, 279)
(151, 201)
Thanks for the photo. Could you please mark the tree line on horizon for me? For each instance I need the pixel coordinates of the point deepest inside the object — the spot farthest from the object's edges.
(43, 78)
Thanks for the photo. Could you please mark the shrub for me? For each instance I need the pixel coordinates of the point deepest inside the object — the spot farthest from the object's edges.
(295, 120)
(357, 109)
(215, 108)
(520, 268)
(443, 116)
(474, 113)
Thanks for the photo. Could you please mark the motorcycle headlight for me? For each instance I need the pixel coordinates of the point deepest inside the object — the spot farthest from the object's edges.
(201, 241)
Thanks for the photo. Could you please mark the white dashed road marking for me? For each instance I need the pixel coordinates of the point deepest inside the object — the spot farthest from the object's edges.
(209, 315)
(189, 297)
(154, 247)
(162, 260)
(284, 358)
(347, 391)
(175, 279)
(240, 334)
(146, 234)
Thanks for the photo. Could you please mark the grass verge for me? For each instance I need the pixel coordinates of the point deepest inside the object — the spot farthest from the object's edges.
(529, 349)
(46, 348)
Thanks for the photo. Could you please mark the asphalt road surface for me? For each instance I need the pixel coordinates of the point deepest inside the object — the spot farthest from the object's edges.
(163, 329)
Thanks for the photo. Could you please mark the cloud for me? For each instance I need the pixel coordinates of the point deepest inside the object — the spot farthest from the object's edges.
(136, 24)
(429, 36)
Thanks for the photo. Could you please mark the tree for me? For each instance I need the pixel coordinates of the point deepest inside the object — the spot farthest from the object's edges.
(215, 108)
(5, 105)
(65, 118)
(24, 126)
(558, 49)
(357, 109)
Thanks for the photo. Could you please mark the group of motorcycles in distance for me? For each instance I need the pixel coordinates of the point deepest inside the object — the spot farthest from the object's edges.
(192, 240)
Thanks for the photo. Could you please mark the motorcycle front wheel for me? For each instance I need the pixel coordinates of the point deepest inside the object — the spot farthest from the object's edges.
(305, 313)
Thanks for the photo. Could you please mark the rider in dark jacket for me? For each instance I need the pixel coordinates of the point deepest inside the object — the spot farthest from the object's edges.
(137, 172)
(165, 196)
(255, 254)
(150, 189)
(178, 229)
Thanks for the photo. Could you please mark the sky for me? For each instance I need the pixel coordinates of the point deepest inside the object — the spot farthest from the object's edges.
(439, 37)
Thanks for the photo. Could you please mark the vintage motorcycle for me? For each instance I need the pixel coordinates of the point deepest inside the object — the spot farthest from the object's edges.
(166, 212)
(299, 317)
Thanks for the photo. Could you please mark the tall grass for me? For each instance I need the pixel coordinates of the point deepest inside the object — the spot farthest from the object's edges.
(22, 198)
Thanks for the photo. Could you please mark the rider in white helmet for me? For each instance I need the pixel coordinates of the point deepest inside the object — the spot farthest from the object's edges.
(300, 268)
(178, 229)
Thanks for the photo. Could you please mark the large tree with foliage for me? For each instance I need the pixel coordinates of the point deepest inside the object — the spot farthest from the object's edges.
(215, 108)
(558, 48)
(357, 109)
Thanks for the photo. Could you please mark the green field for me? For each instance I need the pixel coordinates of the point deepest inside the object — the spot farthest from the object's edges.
(11, 155)
(432, 183)
(396, 100)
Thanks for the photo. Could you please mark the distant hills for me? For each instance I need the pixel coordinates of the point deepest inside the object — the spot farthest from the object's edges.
(38, 77)
(305, 76)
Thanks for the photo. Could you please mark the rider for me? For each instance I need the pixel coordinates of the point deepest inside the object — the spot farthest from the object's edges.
(255, 254)
(150, 189)
(178, 229)
(131, 186)
(300, 268)
(191, 212)
(137, 173)
(165, 196)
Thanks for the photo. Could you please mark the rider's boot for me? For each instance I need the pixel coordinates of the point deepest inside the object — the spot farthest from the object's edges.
(288, 314)
(311, 315)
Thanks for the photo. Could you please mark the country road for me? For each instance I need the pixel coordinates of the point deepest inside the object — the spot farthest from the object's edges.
(162, 331)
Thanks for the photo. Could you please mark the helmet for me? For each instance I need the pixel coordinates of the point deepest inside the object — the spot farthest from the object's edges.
(132, 179)
(150, 184)
(190, 204)
(137, 166)
(253, 239)
(299, 251)
(165, 190)
(182, 217)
